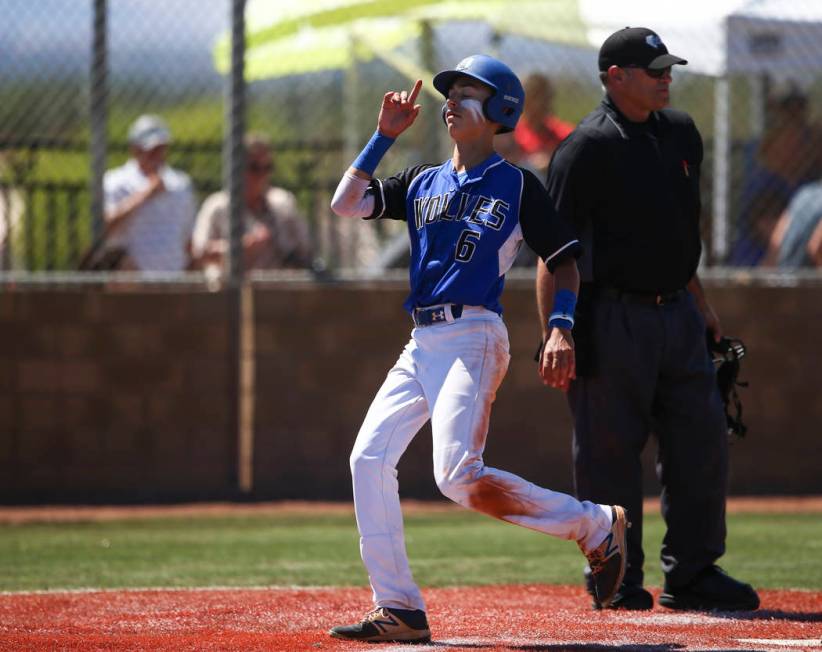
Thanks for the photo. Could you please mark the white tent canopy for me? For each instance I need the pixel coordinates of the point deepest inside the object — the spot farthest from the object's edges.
(718, 37)
(722, 37)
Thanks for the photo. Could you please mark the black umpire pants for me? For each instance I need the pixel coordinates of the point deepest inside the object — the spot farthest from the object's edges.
(651, 373)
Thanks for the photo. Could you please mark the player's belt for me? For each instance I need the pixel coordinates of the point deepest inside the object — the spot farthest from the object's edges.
(644, 298)
(430, 315)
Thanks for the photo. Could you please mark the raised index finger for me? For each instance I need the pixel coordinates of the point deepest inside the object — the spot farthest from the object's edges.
(415, 91)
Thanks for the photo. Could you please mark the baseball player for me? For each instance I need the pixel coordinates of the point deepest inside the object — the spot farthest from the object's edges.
(466, 221)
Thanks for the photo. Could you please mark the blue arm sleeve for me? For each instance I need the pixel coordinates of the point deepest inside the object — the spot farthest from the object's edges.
(372, 153)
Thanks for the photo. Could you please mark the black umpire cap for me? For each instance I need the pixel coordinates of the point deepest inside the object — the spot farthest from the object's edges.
(636, 46)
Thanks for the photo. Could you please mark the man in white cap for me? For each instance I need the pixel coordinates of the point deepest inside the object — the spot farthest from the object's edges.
(149, 206)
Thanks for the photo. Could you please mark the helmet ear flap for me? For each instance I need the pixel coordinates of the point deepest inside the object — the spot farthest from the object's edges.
(493, 106)
(444, 110)
(485, 106)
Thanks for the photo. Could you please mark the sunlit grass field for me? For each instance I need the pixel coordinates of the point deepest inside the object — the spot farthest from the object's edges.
(313, 548)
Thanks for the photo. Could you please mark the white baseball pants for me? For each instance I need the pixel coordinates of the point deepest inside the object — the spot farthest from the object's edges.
(448, 373)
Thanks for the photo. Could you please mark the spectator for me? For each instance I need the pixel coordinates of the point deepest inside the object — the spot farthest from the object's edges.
(797, 239)
(274, 233)
(534, 140)
(786, 158)
(149, 206)
(539, 131)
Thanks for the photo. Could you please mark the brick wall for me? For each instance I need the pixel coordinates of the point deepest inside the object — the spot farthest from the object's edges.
(114, 395)
(325, 352)
(108, 395)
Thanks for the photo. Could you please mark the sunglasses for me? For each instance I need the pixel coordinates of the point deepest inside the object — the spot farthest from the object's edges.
(259, 168)
(656, 73)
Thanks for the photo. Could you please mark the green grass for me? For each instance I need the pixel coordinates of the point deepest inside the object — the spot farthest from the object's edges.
(446, 549)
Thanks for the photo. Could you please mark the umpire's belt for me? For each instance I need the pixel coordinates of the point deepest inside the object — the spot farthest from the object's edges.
(441, 314)
(644, 298)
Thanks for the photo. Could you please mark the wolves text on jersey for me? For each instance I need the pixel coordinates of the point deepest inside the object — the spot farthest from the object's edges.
(463, 206)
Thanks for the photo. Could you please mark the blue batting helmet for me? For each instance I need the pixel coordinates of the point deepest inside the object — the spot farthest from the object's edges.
(505, 105)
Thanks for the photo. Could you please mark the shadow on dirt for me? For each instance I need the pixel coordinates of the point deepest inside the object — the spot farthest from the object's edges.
(771, 614)
(564, 647)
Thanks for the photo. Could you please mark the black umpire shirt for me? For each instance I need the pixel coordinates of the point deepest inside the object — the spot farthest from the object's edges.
(631, 190)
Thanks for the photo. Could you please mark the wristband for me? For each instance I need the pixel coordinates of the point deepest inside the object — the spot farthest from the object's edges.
(559, 320)
(562, 316)
(372, 153)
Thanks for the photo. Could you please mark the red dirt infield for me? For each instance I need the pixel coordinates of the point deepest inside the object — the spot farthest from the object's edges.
(530, 617)
(524, 617)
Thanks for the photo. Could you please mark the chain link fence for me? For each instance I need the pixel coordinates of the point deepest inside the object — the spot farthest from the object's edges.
(76, 75)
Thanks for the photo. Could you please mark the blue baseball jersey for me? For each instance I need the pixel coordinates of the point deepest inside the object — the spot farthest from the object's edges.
(466, 229)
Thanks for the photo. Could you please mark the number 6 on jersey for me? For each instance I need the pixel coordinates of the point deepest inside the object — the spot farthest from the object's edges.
(466, 245)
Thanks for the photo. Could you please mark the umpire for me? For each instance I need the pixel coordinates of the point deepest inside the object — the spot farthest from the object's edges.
(628, 180)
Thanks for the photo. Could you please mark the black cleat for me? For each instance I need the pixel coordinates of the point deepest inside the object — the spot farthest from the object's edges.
(608, 560)
(712, 590)
(385, 624)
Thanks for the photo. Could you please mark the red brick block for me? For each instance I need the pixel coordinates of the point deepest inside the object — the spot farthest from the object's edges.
(38, 413)
(83, 412)
(38, 375)
(144, 374)
(206, 307)
(7, 414)
(92, 309)
(126, 411)
(212, 411)
(53, 307)
(196, 340)
(85, 447)
(8, 303)
(211, 375)
(169, 447)
(267, 340)
(178, 411)
(7, 430)
(135, 340)
(37, 339)
(210, 443)
(7, 374)
(160, 408)
(81, 376)
(147, 307)
(76, 340)
(41, 450)
(124, 445)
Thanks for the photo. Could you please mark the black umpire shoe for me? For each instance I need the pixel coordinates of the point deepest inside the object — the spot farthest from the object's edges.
(713, 589)
(630, 597)
(387, 625)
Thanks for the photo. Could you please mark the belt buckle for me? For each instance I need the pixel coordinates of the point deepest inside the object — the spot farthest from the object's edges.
(429, 316)
(434, 315)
